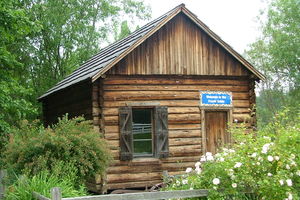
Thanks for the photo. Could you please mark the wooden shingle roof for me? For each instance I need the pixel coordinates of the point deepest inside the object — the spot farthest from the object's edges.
(109, 56)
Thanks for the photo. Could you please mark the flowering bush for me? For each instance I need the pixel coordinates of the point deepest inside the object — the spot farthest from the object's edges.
(32, 148)
(261, 167)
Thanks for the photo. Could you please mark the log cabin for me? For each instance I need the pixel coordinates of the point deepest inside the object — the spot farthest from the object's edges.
(161, 97)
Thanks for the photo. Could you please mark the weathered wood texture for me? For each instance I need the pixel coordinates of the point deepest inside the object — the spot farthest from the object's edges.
(181, 48)
(179, 194)
(76, 101)
(39, 196)
(216, 134)
(3, 174)
(181, 95)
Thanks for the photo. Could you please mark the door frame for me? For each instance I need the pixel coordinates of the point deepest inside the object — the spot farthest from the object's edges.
(203, 129)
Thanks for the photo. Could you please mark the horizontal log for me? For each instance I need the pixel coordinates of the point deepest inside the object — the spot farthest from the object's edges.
(143, 80)
(184, 133)
(111, 129)
(184, 126)
(188, 150)
(150, 168)
(175, 110)
(171, 110)
(120, 178)
(195, 88)
(111, 136)
(113, 144)
(172, 118)
(183, 159)
(172, 103)
(138, 184)
(173, 133)
(145, 168)
(185, 141)
(142, 161)
(184, 118)
(241, 117)
(157, 95)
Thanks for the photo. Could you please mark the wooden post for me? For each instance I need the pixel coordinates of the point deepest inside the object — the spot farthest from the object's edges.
(3, 174)
(56, 193)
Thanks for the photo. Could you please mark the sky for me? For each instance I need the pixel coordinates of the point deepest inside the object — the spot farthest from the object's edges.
(235, 21)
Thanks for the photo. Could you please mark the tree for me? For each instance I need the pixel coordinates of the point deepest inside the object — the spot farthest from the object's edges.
(71, 32)
(13, 104)
(14, 25)
(277, 55)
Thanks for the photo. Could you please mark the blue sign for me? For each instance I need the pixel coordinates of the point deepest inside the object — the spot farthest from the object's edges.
(212, 98)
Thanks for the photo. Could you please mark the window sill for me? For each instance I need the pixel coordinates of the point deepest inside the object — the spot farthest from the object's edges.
(150, 160)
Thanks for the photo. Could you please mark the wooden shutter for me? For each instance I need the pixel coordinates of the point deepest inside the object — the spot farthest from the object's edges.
(161, 131)
(126, 138)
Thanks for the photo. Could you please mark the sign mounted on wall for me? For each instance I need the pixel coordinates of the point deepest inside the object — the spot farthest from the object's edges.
(215, 99)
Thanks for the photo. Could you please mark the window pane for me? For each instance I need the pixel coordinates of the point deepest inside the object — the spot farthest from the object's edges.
(142, 147)
(142, 131)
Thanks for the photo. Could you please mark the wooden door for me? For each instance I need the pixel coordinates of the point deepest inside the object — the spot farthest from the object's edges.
(215, 126)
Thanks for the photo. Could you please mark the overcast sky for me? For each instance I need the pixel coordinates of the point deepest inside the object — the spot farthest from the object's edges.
(233, 20)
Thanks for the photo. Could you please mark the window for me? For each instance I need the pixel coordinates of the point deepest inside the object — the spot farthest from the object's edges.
(143, 132)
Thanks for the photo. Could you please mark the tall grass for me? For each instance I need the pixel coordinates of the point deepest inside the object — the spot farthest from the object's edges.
(23, 187)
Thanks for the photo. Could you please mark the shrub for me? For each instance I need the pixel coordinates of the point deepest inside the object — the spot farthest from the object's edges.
(262, 167)
(32, 149)
(43, 181)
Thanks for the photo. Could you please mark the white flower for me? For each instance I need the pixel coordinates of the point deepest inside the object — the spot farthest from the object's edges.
(298, 172)
(197, 164)
(265, 148)
(216, 181)
(293, 156)
(289, 182)
(277, 158)
(258, 163)
(191, 188)
(203, 159)
(242, 143)
(209, 158)
(230, 172)
(198, 170)
(269, 174)
(290, 196)
(293, 163)
(231, 151)
(287, 167)
(281, 182)
(270, 158)
(188, 170)
(237, 165)
(259, 158)
(184, 181)
(208, 154)
(236, 121)
(177, 182)
(221, 159)
(234, 185)
(254, 155)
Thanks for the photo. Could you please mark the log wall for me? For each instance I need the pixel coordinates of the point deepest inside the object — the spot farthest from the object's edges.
(181, 95)
(75, 100)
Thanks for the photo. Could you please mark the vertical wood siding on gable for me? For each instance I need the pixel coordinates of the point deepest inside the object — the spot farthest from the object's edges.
(180, 47)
